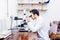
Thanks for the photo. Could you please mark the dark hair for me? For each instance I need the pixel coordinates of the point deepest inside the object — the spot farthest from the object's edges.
(59, 25)
(35, 11)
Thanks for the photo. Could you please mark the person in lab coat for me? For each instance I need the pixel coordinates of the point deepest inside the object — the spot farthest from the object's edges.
(37, 25)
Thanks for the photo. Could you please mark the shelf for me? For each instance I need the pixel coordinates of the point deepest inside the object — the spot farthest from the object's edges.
(30, 9)
(31, 4)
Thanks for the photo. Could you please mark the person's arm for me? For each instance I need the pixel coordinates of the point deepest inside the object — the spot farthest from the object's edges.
(36, 27)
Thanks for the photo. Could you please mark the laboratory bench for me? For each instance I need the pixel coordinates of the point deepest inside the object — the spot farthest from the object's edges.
(21, 35)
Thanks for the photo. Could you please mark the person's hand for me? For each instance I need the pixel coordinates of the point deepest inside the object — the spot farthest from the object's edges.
(27, 19)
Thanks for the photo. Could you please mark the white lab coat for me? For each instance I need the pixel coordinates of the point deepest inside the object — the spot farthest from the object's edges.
(38, 26)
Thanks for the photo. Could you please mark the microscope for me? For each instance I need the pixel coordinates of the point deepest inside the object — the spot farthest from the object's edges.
(22, 25)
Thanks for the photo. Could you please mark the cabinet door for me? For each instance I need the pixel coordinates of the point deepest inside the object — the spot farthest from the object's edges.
(22, 36)
(27, 36)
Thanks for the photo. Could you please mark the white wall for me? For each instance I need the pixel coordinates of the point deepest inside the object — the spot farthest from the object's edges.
(53, 12)
(3, 12)
(12, 7)
(4, 18)
(3, 8)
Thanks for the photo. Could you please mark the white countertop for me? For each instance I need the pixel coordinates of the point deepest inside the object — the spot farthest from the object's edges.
(5, 33)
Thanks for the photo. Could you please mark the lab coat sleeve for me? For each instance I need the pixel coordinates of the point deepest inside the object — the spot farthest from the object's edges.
(36, 27)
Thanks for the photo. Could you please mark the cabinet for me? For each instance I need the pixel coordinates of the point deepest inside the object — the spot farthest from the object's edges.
(27, 36)
(22, 36)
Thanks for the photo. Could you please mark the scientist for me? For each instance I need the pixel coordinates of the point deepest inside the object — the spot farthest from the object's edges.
(37, 25)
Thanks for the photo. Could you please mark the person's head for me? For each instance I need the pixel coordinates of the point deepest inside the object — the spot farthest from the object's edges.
(34, 13)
